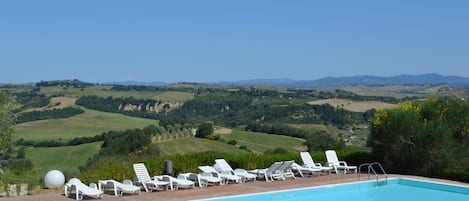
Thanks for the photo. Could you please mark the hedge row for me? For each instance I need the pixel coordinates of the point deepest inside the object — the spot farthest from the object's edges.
(120, 168)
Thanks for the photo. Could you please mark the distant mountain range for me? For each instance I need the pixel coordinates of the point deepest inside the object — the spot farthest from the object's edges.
(423, 79)
(429, 79)
(135, 83)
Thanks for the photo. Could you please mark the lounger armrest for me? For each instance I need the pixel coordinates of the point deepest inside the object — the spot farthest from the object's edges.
(227, 172)
(343, 163)
(158, 178)
(182, 177)
(239, 170)
(128, 182)
(318, 164)
(166, 178)
(209, 174)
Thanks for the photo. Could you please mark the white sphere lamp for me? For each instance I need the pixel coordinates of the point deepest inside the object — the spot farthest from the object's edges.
(54, 179)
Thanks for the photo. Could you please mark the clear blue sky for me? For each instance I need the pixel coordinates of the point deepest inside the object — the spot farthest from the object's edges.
(227, 40)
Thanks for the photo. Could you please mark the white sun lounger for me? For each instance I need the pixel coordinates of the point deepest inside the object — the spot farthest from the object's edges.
(309, 163)
(75, 186)
(333, 161)
(203, 179)
(270, 173)
(226, 176)
(305, 171)
(221, 165)
(117, 187)
(176, 183)
(144, 178)
(286, 170)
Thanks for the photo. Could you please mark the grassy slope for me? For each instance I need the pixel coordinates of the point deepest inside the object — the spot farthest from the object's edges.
(90, 123)
(356, 106)
(62, 158)
(398, 91)
(65, 159)
(191, 145)
(261, 142)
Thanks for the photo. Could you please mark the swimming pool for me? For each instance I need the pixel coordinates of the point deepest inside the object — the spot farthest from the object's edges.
(397, 189)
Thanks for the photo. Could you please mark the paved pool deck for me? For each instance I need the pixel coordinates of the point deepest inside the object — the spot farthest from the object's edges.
(217, 191)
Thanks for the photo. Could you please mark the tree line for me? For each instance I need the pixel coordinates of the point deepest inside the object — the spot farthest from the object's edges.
(64, 83)
(230, 110)
(55, 113)
(31, 99)
(117, 105)
(10, 157)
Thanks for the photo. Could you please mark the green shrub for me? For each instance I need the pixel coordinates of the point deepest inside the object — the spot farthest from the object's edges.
(21, 166)
(4, 164)
(213, 137)
(276, 151)
(232, 142)
(453, 174)
(204, 129)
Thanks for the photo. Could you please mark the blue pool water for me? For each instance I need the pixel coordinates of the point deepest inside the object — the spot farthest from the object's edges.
(394, 190)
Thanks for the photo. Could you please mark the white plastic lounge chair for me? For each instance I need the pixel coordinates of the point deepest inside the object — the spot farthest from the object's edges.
(180, 182)
(334, 162)
(286, 170)
(221, 165)
(270, 172)
(309, 163)
(75, 186)
(117, 187)
(226, 176)
(305, 171)
(203, 179)
(144, 178)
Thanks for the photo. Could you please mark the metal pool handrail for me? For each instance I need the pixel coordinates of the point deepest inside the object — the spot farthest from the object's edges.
(370, 168)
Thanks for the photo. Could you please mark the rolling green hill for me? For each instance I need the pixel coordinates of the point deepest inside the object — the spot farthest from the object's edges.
(261, 142)
(90, 123)
(193, 145)
(66, 159)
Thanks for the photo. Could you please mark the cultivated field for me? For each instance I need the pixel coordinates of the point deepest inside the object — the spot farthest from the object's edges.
(256, 142)
(194, 145)
(90, 123)
(401, 91)
(56, 103)
(261, 142)
(361, 106)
